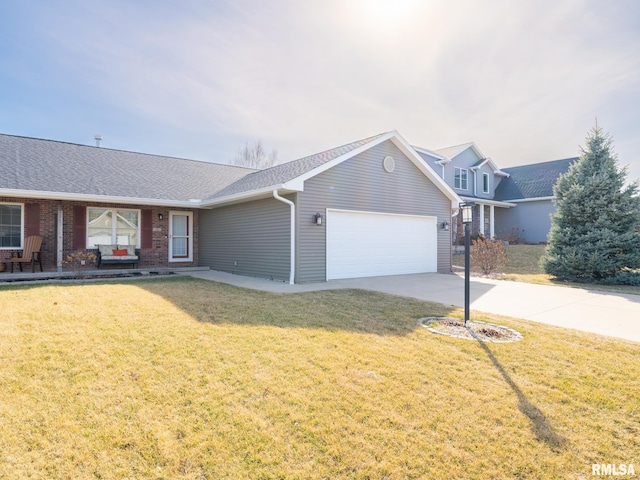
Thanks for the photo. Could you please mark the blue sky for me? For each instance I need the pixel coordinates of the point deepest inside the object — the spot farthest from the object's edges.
(524, 79)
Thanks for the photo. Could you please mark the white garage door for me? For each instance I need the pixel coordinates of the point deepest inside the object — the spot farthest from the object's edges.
(367, 244)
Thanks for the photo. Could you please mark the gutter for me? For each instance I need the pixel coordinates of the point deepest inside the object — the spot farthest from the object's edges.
(83, 197)
(292, 263)
(532, 199)
(487, 201)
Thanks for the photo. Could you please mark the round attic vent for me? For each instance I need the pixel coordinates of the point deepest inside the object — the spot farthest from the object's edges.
(389, 164)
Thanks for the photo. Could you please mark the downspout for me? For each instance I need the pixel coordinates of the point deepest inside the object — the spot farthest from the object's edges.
(292, 271)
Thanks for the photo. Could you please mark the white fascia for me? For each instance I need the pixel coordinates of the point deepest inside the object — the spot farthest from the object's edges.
(485, 201)
(81, 197)
(476, 150)
(496, 170)
(244, 196)
(417, 160)
(297, 184)
(494, 167)
(535, 199)
(440, 159)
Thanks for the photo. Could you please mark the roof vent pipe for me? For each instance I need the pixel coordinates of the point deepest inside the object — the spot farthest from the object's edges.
(98, 140)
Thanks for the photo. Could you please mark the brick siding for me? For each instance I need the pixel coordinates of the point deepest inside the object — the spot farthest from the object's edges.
(156, 256)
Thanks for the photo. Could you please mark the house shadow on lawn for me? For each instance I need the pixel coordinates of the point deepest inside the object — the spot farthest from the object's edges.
(354, 310)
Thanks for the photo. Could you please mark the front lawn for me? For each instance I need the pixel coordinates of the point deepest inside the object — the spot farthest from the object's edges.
(523, 265)
(189, 379)
(522, 260)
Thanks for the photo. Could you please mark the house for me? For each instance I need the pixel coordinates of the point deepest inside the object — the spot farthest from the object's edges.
(512, 203)
(530, 188)
(371, 207)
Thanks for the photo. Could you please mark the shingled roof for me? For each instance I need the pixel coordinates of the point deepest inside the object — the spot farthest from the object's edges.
(285, 172)
(531, 181)
(34, 166)
(30, 164)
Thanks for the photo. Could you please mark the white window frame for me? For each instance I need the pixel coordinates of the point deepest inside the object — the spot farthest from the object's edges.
(463, 185)
(485, 183)
(114, 224)
(21, 246)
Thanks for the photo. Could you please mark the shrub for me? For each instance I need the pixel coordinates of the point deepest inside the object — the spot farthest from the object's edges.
(624, 277)
(514, 238)
(80, 261)
(488, 255)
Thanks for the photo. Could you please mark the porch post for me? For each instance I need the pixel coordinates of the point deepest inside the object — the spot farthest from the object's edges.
(492, 224)
(60, 239)
(481, 228)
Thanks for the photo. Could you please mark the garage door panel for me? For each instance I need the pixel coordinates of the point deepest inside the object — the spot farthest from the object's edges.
(362, 244)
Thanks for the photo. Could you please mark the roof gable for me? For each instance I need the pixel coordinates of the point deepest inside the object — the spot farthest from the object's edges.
(430, 153)
(488, 161)
(532, 181)
(292, 175)
(451, 152)
(287, 172)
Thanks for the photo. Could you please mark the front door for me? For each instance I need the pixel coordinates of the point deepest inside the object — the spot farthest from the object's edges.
(180, 236)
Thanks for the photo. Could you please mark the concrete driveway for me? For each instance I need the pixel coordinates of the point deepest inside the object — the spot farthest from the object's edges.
(611, 314)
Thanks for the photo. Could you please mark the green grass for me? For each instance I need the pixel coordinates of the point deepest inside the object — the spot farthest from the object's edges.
(188, 379)
(522, 259)
(523, 266)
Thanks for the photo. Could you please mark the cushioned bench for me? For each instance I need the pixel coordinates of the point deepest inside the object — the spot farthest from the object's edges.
(118, 254)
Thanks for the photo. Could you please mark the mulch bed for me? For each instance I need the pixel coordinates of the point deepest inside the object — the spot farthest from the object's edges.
(480, 331)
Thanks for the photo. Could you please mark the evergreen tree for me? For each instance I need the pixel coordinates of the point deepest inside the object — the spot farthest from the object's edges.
(595, 232)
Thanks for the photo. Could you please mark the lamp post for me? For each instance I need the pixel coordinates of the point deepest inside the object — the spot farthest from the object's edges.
(467, 220)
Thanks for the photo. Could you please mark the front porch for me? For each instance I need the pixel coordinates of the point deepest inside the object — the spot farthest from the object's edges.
(484, 215)
(7, 278)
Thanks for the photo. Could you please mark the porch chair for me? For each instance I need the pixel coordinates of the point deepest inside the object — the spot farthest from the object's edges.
(30, 253)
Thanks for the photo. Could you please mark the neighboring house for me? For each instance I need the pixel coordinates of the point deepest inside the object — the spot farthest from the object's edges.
(530, 188)
(372, 207)
(512, 203)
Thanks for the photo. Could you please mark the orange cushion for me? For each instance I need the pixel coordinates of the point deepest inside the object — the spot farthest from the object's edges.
(120, 253)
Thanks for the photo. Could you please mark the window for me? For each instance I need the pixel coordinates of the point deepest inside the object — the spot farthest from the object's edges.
(11, 225)
(460, 178)
(111, 226)
(485, 183)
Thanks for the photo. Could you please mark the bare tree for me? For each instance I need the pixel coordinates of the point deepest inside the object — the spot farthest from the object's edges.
(255, 156)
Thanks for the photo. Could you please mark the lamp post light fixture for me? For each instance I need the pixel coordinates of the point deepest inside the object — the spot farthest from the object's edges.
(467, 220)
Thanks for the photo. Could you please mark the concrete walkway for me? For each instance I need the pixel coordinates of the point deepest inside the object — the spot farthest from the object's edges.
(611, 314)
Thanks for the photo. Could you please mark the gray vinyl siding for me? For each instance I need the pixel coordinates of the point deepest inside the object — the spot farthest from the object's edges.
(531, 220)
(254, 234)
(361, 183)
(478, 178)
(465, 160)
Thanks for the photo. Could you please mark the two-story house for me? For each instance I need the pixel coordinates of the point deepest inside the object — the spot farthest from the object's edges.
(511, 204)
